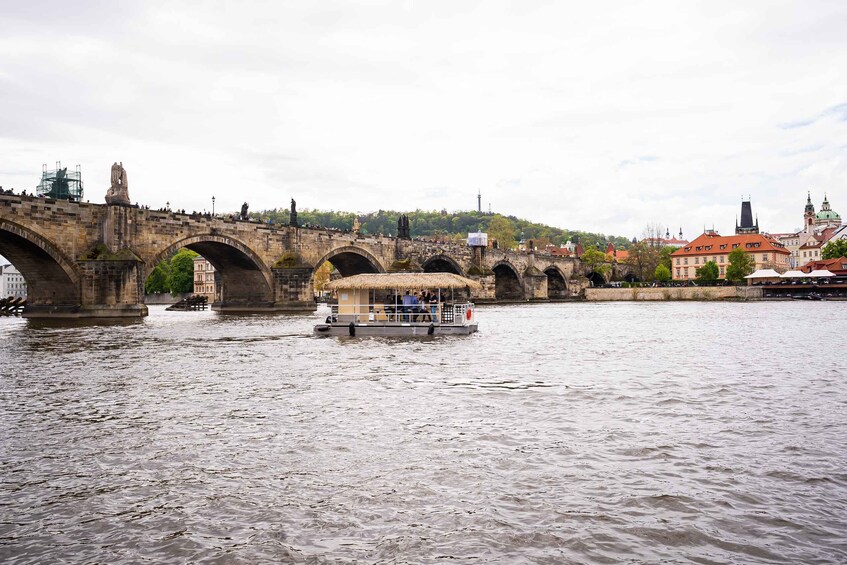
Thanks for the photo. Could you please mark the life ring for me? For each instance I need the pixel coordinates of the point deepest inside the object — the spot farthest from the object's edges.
(468, 314)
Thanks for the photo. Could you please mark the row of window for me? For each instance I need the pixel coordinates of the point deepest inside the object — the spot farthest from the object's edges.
(682, 272)
(717, 259)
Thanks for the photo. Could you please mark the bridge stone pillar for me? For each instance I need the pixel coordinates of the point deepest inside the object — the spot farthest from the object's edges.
(488, 291)
(535, 282)
(112, 288)
(293, 289)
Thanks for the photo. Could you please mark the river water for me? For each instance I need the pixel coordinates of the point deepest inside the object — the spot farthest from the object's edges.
(566, 433)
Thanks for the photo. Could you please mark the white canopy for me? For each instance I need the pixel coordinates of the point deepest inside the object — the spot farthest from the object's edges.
(763, 274)
(821, 273)
(793, 275)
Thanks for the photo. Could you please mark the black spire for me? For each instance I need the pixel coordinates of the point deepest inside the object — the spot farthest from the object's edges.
(746, 225)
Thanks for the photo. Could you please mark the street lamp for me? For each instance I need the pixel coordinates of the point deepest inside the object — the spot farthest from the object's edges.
(213, 205)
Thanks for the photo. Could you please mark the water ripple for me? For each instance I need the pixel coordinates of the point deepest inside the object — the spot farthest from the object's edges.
(572, 433)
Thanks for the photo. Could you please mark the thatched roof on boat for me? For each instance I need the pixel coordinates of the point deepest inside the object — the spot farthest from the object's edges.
(394, 281)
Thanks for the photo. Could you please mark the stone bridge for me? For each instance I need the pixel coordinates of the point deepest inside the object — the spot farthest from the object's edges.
(91, 260)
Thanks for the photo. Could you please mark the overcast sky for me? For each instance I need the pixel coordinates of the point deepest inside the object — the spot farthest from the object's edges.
(601, 116)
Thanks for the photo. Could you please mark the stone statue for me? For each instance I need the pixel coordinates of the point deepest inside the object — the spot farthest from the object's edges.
(403, 227)
(118, 192)
(243, 215)
(292, 216)
(356, 225)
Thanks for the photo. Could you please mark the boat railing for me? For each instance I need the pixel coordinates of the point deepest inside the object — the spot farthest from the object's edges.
(442, 313)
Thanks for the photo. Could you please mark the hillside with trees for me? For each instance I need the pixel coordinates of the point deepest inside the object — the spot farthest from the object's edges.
(507, 230)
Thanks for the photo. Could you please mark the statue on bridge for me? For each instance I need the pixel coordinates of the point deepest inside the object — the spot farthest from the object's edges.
(357, 227)
(403, 227)
(118, 192)
(243, 215)
(292, 215)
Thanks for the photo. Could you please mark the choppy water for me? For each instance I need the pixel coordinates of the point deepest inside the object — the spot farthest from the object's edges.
(584, 433)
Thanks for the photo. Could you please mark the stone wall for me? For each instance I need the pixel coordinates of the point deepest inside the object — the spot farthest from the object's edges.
(672, 293)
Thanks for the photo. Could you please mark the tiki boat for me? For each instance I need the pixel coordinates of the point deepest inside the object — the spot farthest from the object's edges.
(381, 304)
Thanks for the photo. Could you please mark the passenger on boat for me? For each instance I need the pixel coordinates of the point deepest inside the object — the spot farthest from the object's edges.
(433, 305)
(409, 303)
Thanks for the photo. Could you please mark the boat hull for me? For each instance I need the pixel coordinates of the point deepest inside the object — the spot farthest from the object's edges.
(393, 330)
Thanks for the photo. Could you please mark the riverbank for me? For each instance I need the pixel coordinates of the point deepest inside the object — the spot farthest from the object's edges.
(675, 293)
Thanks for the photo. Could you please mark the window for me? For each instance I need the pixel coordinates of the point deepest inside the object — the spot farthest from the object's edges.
(699, 248)
(734, 245)
(722, 270)
(677, 262)
(722, 258)
(764, 256)
(678, 269)
(696, 260)
(723, 246)
(686, 261)
(708, 247)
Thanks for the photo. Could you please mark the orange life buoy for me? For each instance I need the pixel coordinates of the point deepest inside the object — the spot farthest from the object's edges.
(468, 313)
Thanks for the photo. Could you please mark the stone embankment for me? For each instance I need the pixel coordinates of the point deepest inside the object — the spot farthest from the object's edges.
(676, 293)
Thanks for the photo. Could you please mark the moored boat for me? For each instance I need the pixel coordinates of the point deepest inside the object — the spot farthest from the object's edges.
(388, 304)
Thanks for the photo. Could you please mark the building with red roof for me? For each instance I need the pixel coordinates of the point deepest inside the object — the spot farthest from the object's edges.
(835, 266)
(766, 253)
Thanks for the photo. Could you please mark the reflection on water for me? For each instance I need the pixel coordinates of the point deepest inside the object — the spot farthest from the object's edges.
(703, 432)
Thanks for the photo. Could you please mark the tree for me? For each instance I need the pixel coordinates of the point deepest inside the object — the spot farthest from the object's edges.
(708, 272)
(322, 274)
(181, 275)
(665, 256)
(596, 261)
(740, 265)
(157, 282)
(834, 249)
(643, 259)
(502, 230)
(662, 274)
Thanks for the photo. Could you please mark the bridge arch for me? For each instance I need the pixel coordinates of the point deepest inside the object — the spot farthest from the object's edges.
(442, 263)
(507, 282)
(351, 260)
(244, 277)
(596, 279)
(557, 282)
(52, 277)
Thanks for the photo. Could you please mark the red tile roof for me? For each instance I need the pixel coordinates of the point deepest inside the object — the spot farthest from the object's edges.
(837, 266)
(714, 243)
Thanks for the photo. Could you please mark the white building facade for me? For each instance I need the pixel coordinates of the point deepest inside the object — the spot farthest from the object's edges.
(12, 283)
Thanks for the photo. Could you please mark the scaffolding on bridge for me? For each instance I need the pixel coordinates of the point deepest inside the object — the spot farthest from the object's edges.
(60, 184)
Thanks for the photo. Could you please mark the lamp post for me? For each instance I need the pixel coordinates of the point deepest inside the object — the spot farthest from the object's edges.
(213, 205)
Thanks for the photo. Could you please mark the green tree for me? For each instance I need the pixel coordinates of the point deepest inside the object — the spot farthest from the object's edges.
(834, 249)
(662, 274)
(157, 282)
(502, 230)
(595, 261)
(181, 275)
(643, 259)
(665, 256)
(708, 272)
(740, 265)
